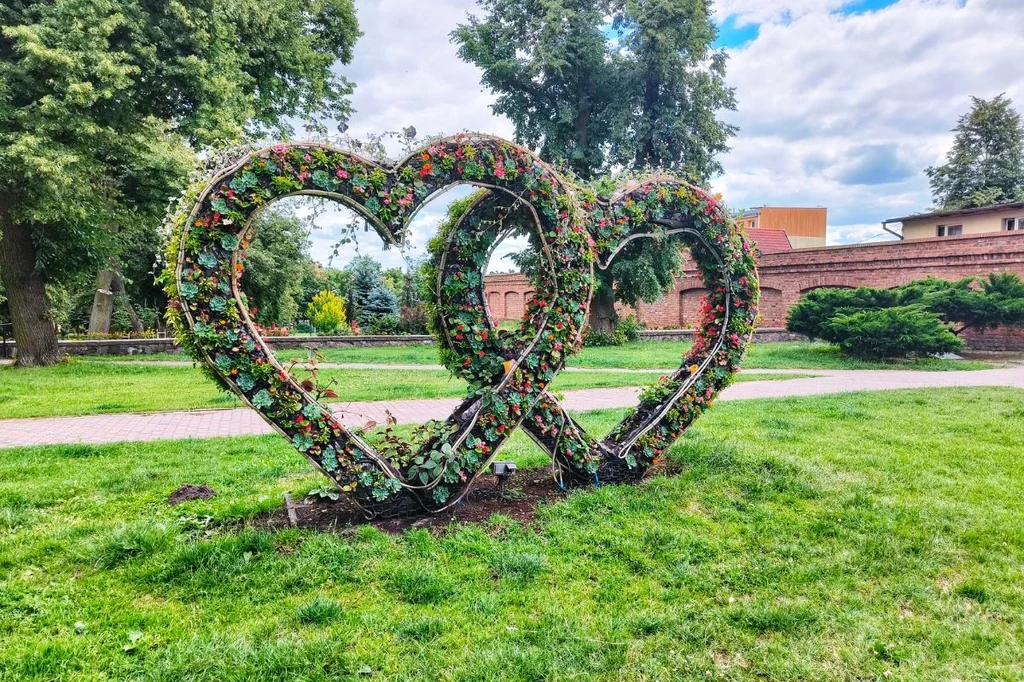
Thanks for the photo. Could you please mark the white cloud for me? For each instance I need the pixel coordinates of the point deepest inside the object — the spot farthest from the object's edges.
(826, 98)
(407, 72)
(834, 110)
(761, 11)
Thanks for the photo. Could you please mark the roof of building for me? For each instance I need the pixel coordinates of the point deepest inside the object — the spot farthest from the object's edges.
(748, 213)
(963, 211)
(770, 241)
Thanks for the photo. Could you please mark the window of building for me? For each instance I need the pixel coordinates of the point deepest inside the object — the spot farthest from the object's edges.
(1012, 224)
(949, 230)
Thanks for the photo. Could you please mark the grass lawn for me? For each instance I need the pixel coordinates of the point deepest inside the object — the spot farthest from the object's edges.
(873, 536)
(637, 355)
(82, 387)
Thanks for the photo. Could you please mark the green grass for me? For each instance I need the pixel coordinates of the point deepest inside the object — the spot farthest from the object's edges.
(795, 355)
(81, 387)
(872, 536)
(637, 355)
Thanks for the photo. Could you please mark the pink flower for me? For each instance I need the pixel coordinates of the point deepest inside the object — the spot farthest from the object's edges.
(342, 173)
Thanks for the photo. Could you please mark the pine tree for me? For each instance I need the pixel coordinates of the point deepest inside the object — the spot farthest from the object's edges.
(986, 164)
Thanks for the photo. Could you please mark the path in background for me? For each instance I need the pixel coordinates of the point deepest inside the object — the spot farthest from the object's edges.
(112, 428)
(413, 367)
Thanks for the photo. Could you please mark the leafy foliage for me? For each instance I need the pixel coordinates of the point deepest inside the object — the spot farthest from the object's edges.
(815, 309)
(986, 164)
(276, 263)
(103, 102)
(650, 98)
(967, 303)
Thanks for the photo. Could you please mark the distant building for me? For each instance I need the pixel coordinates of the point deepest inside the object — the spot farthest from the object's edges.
(769, 241)
(804, 227)
(984, 219)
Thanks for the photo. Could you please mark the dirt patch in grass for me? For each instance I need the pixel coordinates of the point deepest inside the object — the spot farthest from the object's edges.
(188, 492)
(524, 492)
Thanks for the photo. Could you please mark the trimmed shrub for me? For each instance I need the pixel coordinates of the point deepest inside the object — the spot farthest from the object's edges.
(812, 313)
(900, 332)
(326, 312)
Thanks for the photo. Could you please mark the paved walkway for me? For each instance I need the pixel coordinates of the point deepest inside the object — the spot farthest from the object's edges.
(440, 368)
(110, 428)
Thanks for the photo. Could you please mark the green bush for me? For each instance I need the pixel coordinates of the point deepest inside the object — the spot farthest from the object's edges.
(326, 312)
(969, 303)
(592, 339)
(383, 324)
(898, 332)
(812, 313)
(629, 328)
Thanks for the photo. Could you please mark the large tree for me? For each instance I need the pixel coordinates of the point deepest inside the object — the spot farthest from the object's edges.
(549, 63)
(607, 84)
(102, 101)
(277, 263)
(986, 162)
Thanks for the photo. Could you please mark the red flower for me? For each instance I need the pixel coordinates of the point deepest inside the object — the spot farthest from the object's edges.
(427, 169)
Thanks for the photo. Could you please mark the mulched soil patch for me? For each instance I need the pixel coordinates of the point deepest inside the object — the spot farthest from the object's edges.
(188, 492)
(524, 492)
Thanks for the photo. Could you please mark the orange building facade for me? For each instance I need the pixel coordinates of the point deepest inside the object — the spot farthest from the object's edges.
(805, 227)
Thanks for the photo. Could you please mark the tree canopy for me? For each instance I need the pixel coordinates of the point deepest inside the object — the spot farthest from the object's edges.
(986, 163)
(104, 102)
(606, 84)
(276, 264)
(593, 83)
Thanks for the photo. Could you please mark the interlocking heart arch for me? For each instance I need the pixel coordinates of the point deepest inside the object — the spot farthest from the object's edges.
(508, 372)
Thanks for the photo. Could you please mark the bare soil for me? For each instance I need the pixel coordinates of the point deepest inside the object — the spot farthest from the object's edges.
(188, 492)
(523, 494)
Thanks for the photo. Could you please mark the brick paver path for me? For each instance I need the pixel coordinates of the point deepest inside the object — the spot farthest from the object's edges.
(110, 428)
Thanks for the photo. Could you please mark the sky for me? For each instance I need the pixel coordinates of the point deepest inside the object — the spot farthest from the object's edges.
(840, 103)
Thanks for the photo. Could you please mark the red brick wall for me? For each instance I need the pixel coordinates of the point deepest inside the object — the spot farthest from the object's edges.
(1000, 338)
(785, 276)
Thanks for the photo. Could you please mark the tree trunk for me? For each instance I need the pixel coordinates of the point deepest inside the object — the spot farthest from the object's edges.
(603, 317)
(118, 288)
(102, 303)
(109, 286)
(34, 335)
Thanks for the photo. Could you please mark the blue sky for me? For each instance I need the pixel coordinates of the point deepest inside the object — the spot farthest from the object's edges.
(840, 104)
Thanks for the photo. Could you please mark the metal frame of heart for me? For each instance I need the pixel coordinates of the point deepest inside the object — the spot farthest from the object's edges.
(571, 227)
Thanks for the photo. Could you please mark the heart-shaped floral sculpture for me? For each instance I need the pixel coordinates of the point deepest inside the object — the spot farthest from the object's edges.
(656, 207)
(508, 372)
